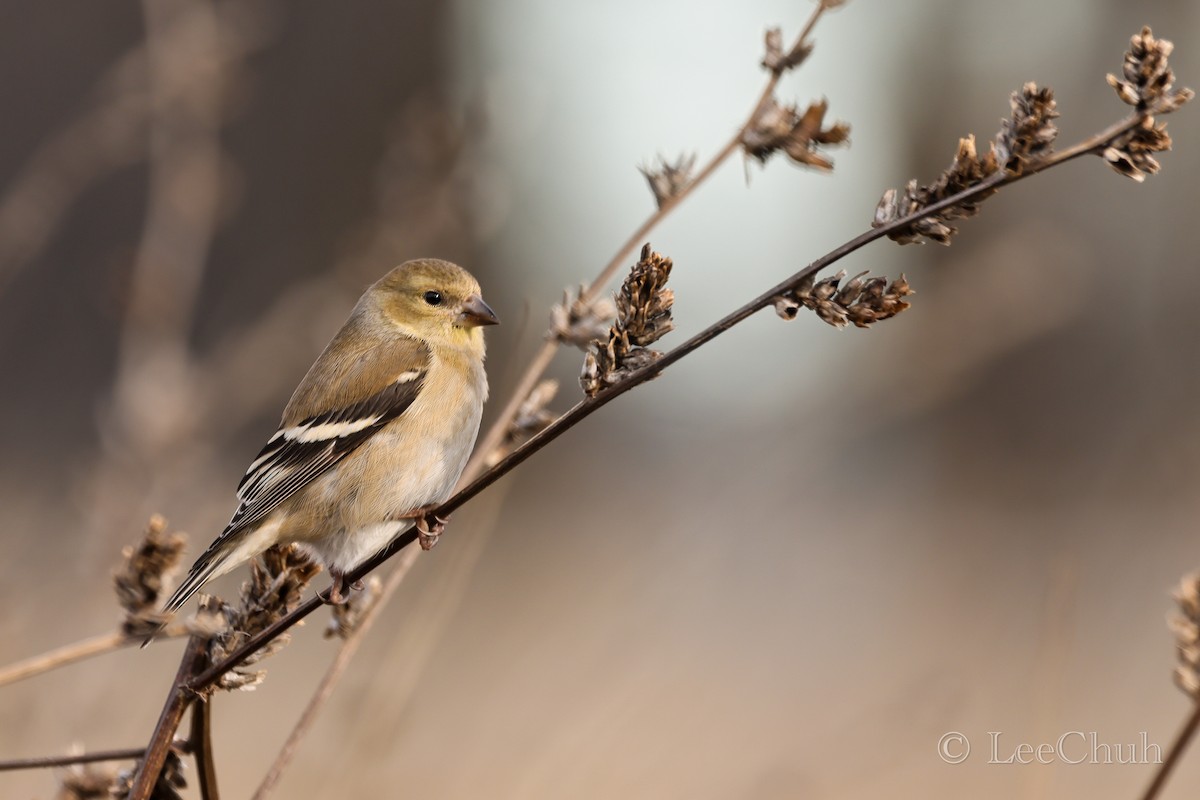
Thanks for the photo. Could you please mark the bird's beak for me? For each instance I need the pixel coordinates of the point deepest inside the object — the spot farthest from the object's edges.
(475, 312)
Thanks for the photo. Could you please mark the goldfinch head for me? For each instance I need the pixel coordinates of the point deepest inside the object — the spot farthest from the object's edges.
(434, 299)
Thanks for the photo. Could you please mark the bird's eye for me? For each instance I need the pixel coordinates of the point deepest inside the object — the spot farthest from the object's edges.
(433, 298)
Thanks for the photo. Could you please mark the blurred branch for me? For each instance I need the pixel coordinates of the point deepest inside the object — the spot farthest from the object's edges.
(652, 370)
(78, 651)
(128, 754)
(1021, 149)
(202, 749)
(1178, 746)
(168, 721)
(668, 198)
(333, 674)
(667, 202)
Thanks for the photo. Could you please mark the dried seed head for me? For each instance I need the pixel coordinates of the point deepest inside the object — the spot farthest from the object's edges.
(861, 300)
(577, 320)
(778, 61)
(799, 136)
(167, 787)
(1131, 153)
(87, 782)
(1148, 84)
(530, 419)
(643, 317)
(277, 580)
(346, 617)
(1186, 628)
(1029, 133)
(965, 171)
(1147, 80)
(144, 576)
(668, 179)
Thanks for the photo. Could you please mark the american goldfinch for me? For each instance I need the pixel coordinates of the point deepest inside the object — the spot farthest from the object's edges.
(378, 431)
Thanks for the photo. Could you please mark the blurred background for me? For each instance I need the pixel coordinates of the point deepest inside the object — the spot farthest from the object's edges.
(783, 570)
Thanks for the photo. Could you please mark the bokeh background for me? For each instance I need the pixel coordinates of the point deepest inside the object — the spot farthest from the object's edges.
(783, 570)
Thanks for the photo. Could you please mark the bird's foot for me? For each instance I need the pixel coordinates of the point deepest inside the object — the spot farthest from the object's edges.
(429, 526)
(339, 592)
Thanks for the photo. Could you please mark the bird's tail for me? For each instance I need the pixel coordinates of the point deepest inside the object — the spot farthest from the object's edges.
(207, 567)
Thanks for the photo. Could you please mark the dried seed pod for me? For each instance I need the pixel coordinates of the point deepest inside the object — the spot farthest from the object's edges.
(800, 136)
(668, 179)
(144, 577)
(277, 581)
(644, 305)
(861, 300)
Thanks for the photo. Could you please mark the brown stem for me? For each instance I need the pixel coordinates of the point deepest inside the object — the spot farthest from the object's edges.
(332, 675)
(168, 721)
(76, 651)
(1182, 740)
(202, 749)
(652, 370)
(39, 762)
(545, 355)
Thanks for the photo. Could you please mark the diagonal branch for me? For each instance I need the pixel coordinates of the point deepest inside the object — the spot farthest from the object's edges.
(1182, 740)
(77, 651)
(545, 355)
(588, 406)
(202, 749)
(39, 762)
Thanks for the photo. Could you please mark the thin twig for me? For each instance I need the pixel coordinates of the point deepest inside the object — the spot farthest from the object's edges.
(332, 675)
(168, 721)
(545, 355)
(496, 433)
(655, 368)
(128, 754)
(202, 749)
(1182, 740)
(76, 651)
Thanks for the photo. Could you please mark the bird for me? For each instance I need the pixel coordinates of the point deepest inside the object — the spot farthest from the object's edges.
(376, 435)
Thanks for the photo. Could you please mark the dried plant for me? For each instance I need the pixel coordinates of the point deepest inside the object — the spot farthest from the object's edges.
(579, 319)
(87, 782)
(620, 358)
(799, 135)
(346, 618)
(776, 60)
(643, 317)
(532, 417)
(144, 578)
(166, 787)
(669, 180)
(861, 300)
(1026, 139)
(1186, 627)
(277, 579)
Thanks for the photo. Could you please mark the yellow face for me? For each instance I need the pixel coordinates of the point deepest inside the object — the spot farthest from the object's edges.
(432, 297)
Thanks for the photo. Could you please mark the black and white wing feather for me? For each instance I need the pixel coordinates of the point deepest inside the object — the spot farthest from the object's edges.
(298, 454)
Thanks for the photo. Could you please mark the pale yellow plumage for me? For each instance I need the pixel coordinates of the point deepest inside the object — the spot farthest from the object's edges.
(381, 426)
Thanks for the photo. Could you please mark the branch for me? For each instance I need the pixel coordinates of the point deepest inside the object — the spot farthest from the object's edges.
(77, 651)
(202, 750)
(168, 721)
(545, 355)
(1182, 740)
(332, 675)
(39, 762)
(588, 406)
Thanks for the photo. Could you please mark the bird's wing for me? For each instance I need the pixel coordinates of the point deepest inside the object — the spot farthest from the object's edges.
(301, 450)
(369, 383)
(298, 454)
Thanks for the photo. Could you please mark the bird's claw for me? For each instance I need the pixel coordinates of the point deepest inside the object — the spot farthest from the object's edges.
(339, 590)
(429, 529)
